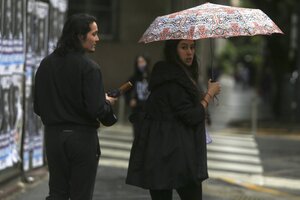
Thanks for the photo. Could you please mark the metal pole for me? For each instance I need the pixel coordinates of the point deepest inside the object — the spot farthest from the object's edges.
(297, 84)
(254, 115)
(121, 110)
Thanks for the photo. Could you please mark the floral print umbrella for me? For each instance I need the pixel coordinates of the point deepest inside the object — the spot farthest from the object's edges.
(210, 21)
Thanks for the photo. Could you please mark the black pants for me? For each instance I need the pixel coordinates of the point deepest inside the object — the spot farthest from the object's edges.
(190, 192)
(137, 119)
(73, 155)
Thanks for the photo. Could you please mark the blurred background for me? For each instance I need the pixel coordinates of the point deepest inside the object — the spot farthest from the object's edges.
(257, 113)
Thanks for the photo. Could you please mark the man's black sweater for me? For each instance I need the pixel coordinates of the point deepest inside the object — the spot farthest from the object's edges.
(69, 91)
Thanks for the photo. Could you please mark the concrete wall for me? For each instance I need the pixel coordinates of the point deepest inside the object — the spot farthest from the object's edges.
(116, 57)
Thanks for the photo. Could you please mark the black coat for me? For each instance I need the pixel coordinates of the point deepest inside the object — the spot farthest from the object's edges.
(69, 91)
(170, 151)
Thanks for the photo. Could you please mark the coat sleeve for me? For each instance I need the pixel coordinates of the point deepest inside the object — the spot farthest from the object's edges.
(183, 106)
(95, 103)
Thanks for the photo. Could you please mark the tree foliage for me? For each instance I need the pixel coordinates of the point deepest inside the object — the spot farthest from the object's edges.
(273, 51)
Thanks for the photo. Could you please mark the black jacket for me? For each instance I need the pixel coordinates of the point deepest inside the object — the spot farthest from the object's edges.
(170, 151)
(69, 91)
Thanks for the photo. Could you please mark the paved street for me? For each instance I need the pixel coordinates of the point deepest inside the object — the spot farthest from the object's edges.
(276, 155)
(235, 167)
(241, 165)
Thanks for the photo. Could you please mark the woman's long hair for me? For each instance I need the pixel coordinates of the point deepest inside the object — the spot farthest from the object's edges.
(137, 72)
(77, 25)
(172, 56)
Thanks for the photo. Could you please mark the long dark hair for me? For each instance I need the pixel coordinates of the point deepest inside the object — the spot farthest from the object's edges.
(171, 56)
(137, 72)
(77, 25)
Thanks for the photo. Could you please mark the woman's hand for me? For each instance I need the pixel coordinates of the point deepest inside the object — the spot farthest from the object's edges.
(111, 100)
(132, 103)
(213, 88)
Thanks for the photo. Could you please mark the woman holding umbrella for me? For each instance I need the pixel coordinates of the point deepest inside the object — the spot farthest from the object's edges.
(170, 150)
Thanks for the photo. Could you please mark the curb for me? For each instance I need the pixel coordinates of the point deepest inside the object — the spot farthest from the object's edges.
(13, 188)
(18, 184)
(257, 188)
(265, 132)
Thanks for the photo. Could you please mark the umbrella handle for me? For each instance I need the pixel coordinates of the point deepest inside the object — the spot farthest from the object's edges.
(215, 97)
(211, 59)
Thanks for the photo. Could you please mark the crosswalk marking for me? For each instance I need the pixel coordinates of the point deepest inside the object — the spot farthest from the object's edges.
(116, 144)
(220, 141)
(230, 149)
(228, 152)
(116, 137)
(248, 168)
(114, 153)
(236, 137)
(113, 162)
(231, 155)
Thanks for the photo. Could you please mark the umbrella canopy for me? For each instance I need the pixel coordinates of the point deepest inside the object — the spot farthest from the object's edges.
(210, 21)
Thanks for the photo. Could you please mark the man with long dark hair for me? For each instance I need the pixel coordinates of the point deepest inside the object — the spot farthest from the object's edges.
(70, 99)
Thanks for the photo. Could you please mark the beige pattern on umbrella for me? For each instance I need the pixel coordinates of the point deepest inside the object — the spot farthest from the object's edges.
(210, 21)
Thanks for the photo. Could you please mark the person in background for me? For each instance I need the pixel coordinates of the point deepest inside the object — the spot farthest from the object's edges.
(139, 93)
(170, 150)
(70, 99)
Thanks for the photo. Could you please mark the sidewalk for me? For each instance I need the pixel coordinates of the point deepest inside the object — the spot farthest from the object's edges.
(110, 186)
(264, 166)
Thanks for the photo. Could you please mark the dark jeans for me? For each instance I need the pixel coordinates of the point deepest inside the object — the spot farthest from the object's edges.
(73, 155)
(190, 192)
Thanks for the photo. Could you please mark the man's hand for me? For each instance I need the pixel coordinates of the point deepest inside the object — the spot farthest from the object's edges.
(111, 100)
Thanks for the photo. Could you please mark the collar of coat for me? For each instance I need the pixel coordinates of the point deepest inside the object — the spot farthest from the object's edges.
(165, 72)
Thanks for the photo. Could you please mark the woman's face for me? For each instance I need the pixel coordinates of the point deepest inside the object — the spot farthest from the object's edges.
(141, 63)
(186, 51)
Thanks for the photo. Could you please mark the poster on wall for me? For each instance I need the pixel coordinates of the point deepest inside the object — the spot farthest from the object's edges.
(42, 20)
(1, 30)
(1, 68)
(11, 81)
(17, 79)
(57, 16)
(25, 40)
(37, 18)
(5, 82)
(29, 64)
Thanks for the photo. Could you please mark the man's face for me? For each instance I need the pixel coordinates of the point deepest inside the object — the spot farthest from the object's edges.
(89, 43)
